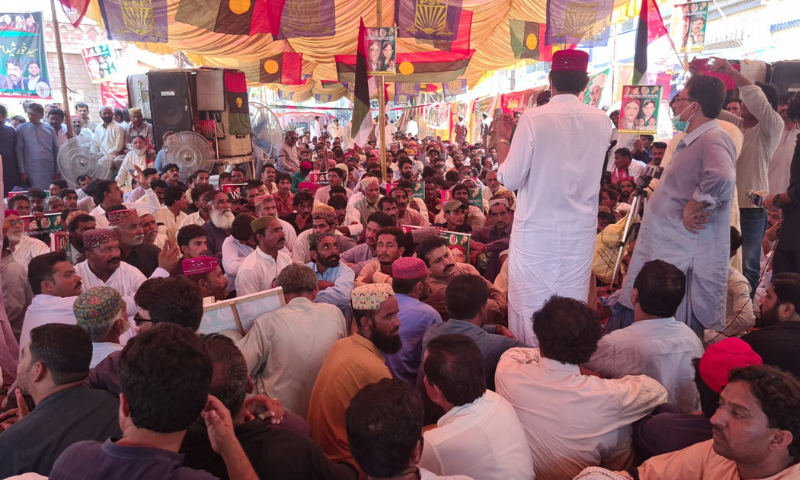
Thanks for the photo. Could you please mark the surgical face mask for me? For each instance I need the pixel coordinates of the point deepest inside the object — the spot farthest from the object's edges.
(682, 125)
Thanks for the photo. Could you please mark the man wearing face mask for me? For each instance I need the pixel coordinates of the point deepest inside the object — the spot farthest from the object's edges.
(687, 219)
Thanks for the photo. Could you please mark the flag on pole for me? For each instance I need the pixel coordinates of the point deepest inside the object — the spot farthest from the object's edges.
(362, 119)
(651, 26)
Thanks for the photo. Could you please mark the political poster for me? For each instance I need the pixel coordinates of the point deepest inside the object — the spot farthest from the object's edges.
(382, 51)
(519, 101)
(100, 60)
(640, 105)
(36, 225)
(689, 22)
(437, 117)
(23, 63)
(594, 90)
(114, 94)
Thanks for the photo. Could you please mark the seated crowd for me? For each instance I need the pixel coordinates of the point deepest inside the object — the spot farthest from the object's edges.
(389, 356)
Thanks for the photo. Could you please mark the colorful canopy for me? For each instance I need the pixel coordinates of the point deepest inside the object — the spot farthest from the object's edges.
(490, 37)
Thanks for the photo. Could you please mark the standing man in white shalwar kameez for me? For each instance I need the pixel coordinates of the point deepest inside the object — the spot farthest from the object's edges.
(555, 165)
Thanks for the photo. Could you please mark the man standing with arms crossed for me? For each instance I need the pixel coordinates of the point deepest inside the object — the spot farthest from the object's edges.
(556, 180)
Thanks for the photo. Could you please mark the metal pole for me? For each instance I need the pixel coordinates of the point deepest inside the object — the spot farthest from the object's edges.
(381, 110)
(57, 36)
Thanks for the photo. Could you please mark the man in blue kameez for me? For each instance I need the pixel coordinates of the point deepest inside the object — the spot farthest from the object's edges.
(37, 150)
(687, 220)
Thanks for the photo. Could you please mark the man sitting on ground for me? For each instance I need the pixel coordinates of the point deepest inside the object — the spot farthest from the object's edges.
(334, 279)
(273, 453)
(52, 370)
(101, 312)
(480, 433)
(260, 268)
(353, 363)
(390, 246)
(655, 344)
(595, 429)
(286, 348)
(360, 255)
(156, 408)
(323, 219)
(205, 272)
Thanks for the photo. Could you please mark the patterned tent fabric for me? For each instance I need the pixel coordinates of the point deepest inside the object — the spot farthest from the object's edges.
(490, 37)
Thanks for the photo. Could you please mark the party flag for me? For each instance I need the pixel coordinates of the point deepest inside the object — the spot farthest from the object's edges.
(527, 41)
(140, 21)
(284, 68)
(427, 19)
(651, 26)
(362, 120)
(306, 18)
(236, 97)
(456, 87)
(570, 21)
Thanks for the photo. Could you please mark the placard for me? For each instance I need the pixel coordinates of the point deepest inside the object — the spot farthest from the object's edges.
(100, 61)
(235, 191)
(452, 238)
(36, 225)
(22, 56)
(689, 22)
(239, 313)
(475, 197)
(381, 51)
(640, 106)
(593, 94)
(418, 189)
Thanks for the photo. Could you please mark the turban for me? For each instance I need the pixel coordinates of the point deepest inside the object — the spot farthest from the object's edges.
(98, 236)
(407, 268)
(199, 265)
(370, 297)
(97, 306)
(722, 357)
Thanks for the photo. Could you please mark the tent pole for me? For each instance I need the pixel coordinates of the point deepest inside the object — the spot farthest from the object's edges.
(381, 109)
(57, 36)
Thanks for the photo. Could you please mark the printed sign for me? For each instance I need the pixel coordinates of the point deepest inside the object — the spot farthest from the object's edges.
(640, 109)
(235, 191)
(100, 61)
(452, 238)
(381, 51)
(239, 313)
(23, 64)
(36, 225)
(594, 90)
(689, 26)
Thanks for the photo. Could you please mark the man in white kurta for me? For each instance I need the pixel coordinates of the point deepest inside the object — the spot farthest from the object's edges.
(556, 178)
(109, 136)
(259, 269)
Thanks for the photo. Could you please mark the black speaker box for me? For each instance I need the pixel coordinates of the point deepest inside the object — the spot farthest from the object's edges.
(170, 103)
(786, 76)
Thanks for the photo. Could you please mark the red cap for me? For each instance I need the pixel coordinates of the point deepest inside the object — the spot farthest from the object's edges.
(570, 61)
(720, 358)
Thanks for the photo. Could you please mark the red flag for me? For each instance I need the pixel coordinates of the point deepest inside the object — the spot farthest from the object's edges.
(75, 10)
(362, 120)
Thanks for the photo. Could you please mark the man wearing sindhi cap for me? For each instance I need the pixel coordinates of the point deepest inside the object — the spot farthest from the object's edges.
(205, 272)
(133, 249)
(555, 177)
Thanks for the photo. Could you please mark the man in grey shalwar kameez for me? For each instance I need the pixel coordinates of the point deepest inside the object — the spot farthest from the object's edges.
(687, 220)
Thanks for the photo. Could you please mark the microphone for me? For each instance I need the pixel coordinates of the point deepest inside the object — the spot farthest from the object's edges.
(605, 160)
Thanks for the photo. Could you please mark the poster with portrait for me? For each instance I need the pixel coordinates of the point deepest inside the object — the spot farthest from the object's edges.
(640, 105)
(36, 225)
(381, 51)
(114, 94)
(100, 60)
(689, 22)
(23, 63)
(593, 94)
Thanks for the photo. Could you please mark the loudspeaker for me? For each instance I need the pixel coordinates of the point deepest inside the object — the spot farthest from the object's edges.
(139, 94)
(210, 90)
(786, 76)
(170, 103)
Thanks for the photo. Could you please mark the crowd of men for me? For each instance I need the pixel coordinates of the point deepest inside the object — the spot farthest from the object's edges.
(399, 351)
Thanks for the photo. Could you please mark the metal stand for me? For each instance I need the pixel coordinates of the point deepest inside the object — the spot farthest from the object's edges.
(639, 199)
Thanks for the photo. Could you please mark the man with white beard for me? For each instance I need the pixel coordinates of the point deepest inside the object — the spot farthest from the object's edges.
(219, 224)
(23, 248)
(266, 207)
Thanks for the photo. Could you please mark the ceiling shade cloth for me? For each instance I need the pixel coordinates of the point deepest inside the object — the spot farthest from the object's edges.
(490, 38)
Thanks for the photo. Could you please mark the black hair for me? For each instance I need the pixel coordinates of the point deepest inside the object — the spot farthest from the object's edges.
(36, 193)
(12, 202)
(337, 203)
(171, 300)
(659, 145)
(170, 166)
(165, 373)
(66, 191)
(282, 176)
(337, 189)
(229, 378)
(778, 395)
(98, 189)
(382, 219)
(623, 152)
(198, 191)
(454, 364)
(384, 200)
(569, 82)
(736, 239)
(66, 350)
(187, 233)
(60, 183)
(173, 194)
(771, 92)
(427, 245)
(661, 288)
(40, 268)
(398, 234)
(465, 296)
(708, 92)
(384, 426)
(149, 171)
(302, 197)
(37, 107)
(338, 171)
(75, 222)
(787, 289)
(709, 399)
(567, 330)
